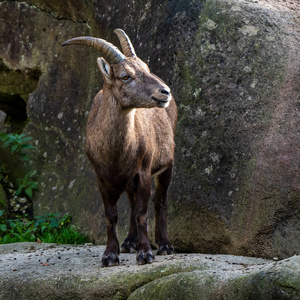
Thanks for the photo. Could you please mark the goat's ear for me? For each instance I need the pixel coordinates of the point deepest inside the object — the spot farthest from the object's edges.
(105, 69)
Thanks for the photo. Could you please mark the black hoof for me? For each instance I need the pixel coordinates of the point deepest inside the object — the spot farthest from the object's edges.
(110, 260)
(165, 249)
(144, 257)
(128, 247)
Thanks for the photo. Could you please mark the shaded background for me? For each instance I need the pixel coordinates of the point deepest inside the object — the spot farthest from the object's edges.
(233, 67)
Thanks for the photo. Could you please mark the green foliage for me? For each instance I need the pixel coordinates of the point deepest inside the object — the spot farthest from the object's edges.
(27, 185)
(49, 228)
(2, 172)
(15, 143)
(13, 157)
(1, 215)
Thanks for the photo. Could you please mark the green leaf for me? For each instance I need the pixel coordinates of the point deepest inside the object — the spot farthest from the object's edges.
(27, 146)
(34, 185)
(15, 148)
(24, 156)
(28, 191)
(26, 178)
(19, 190)
(3, 227)
(27, 139)
(43, 228)
(6, 144)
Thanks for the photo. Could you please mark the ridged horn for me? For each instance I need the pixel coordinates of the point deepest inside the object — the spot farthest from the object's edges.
(109, 50)
(125, 42)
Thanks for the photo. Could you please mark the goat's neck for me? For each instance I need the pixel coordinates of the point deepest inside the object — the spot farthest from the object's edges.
(121, 120)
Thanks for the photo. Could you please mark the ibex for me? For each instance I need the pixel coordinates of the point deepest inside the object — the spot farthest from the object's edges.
(129, 140)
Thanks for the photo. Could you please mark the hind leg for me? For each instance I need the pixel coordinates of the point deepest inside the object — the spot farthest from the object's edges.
(160, 205)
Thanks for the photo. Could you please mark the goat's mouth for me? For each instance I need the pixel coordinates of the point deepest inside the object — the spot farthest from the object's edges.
(162, 100)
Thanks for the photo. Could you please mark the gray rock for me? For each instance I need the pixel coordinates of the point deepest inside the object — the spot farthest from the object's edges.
(50, 271)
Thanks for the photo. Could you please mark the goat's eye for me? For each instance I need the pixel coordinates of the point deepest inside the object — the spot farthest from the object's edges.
(125, 78)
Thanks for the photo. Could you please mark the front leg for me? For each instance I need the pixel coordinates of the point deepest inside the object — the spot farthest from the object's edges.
(110, 256)
(130, 243)
(143, 191)
(160, 205)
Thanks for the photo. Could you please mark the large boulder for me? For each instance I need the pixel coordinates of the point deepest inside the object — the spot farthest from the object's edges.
(236, 183)
(233, 67)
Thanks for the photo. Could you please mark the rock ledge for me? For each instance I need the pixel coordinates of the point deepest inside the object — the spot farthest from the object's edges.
(51, 271)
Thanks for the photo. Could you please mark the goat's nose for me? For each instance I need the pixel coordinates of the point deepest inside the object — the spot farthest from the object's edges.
(165, 92)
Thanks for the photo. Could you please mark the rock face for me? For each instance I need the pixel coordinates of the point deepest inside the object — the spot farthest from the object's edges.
(48, 271)
(237, 172)
(233, 67)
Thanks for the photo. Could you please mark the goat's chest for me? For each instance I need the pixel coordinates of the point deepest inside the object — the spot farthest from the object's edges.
(113, 148)
(131, 145)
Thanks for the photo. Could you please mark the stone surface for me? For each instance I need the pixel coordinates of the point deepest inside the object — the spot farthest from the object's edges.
(57, 108)
(50, 271)
(237, 168)
(233, 67)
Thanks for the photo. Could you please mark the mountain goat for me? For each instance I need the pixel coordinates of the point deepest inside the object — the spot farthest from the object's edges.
(129, 140)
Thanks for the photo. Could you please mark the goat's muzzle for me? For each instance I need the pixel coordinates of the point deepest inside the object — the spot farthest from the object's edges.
(162, 97)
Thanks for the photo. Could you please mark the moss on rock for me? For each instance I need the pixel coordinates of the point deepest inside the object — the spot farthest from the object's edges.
(276, 281)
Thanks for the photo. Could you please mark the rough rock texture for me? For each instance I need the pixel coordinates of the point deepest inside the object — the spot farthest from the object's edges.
(48, 271)
(233, 67)
(57, 108)
(237, 171)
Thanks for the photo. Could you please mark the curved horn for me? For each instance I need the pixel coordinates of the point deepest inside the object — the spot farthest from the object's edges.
(125, 42)
(109, 50)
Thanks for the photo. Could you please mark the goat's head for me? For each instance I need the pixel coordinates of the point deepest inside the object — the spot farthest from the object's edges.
(128, 77)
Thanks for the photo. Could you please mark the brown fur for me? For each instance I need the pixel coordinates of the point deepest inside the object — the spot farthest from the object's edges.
(130, 139)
